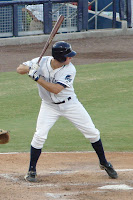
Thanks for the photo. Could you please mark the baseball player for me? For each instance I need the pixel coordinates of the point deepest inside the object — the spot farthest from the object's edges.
(55, 76)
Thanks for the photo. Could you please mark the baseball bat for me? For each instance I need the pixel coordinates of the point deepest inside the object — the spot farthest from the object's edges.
(51, 36)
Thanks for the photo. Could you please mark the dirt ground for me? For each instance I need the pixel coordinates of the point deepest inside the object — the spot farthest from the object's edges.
(90, 50)
(68, 176)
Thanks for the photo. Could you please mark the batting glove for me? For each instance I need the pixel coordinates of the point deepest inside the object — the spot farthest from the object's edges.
(34, 66)
(33, 74)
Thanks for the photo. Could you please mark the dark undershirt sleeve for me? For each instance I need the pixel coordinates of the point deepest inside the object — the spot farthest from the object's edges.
(62, 84)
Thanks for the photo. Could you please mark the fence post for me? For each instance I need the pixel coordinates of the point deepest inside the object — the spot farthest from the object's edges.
(15, 20)
(125, 11)
(114, 14)
(79, 15)
(129, 13)
(85, 15)
(47, 17)
(82, 18)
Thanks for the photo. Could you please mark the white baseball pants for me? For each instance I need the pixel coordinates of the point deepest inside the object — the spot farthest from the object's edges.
(75, 112)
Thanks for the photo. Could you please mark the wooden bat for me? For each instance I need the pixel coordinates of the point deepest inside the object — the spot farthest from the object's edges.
(51, 36)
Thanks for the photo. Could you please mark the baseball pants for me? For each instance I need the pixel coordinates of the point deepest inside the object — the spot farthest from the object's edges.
(75, 112)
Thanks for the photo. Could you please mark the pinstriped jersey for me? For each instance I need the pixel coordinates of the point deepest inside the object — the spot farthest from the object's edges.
(64, 75)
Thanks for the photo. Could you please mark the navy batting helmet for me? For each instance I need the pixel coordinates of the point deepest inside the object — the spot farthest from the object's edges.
(61, 50)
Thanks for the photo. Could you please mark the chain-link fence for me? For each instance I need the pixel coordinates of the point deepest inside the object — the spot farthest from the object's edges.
(31, 18)
(6, 25)
(69, 11)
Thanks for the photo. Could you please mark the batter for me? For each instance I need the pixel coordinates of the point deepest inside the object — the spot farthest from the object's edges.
(55, 76)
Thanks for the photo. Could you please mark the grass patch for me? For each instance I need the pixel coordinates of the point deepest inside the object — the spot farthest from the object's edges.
(105, 90)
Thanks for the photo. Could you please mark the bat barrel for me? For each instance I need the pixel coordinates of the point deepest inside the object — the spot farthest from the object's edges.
(51, 36)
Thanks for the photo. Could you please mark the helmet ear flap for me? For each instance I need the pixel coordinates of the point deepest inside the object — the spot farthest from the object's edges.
(61, 59)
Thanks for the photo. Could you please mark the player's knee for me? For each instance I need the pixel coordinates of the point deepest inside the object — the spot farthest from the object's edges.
(92, 134)
(95, 139)
(38, 142)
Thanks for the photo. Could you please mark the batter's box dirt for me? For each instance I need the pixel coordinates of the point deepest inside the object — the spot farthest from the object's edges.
(66, 176)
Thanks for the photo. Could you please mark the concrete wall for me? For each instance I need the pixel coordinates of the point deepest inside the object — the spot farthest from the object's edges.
(67, 36)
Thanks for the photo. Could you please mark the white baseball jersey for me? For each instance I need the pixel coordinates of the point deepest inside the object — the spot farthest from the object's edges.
(64, 76)
(70, 107)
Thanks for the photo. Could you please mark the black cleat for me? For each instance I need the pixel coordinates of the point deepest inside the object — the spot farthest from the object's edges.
(109, 169)
(31, 176)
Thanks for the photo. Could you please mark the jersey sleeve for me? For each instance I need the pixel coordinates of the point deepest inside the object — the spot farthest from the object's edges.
(35, 60)
(67, 78)
(30, 63)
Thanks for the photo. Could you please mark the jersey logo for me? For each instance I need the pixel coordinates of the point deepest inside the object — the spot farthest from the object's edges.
(68, 78)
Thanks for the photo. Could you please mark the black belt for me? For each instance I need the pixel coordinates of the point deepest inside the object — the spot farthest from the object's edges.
(63, 101)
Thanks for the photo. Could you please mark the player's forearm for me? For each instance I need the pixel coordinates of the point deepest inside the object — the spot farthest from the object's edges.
(51, 87)
(22, 69)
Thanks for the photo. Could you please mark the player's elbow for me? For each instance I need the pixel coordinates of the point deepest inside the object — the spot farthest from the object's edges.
(58, 88)
(18, 70)
(22, 69)
(56, 91)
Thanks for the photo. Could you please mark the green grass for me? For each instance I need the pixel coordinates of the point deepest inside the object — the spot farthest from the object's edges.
(106, 92)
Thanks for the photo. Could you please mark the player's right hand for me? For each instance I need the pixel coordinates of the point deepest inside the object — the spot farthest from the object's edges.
(34, 66)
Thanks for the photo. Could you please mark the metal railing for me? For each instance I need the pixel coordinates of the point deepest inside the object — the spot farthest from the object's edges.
(97, 13)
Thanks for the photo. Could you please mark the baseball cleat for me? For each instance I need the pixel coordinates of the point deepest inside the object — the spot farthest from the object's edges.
(109, 169)
(31, 176)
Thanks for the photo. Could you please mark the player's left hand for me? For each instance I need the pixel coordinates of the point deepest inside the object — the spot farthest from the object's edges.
(33, 74)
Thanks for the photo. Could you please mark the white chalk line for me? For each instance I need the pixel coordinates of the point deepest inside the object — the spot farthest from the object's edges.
(66, 152)
(9, 177)
(91, 170)
(124, 170)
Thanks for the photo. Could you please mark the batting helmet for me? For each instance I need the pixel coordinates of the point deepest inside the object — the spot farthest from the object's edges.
(61, 50)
